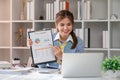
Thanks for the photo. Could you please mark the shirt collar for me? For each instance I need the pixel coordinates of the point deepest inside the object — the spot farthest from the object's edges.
(58, 37)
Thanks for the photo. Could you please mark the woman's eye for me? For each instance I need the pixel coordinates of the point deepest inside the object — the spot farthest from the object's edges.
(68, 24)
(61, 24)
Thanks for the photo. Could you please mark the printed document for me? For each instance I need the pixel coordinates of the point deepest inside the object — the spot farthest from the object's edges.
(42, 46)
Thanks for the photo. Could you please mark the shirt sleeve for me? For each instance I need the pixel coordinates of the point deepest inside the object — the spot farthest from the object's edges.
(52, 65)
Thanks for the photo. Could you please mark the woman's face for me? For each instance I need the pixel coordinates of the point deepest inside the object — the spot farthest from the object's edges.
(64, 27)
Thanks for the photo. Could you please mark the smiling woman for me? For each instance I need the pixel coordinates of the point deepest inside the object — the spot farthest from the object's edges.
(65, 36)
(64, 40)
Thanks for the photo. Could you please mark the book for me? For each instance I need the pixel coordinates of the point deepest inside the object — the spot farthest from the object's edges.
(87, 37)
(79, 10)
(87, 10)
(30, 9)
(105, 39)
(65, 5)
(5, 65)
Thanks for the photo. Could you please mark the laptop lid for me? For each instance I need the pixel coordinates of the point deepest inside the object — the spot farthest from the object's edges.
(82, 65)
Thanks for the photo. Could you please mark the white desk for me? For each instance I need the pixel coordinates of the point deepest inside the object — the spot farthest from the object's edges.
(35, 75)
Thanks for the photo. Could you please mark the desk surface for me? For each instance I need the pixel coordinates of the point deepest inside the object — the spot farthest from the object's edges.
(36, 75)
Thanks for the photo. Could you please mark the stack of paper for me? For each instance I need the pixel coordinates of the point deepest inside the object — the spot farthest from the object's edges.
(5, 65)
(16, 71)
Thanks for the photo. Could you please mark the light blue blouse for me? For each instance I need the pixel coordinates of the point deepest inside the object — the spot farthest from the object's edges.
(79, 49)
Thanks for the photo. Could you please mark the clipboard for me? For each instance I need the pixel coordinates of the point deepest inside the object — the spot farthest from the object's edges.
(41, 49)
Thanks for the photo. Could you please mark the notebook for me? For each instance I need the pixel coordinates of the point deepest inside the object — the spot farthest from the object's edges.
(81, 65)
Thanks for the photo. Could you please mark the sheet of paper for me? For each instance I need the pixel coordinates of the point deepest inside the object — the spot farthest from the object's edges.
(42, 46)
(16, 71)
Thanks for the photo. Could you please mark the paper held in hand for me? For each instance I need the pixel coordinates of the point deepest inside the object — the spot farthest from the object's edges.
(41, 48)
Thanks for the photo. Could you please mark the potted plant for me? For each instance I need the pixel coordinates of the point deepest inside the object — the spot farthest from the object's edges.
(111, 67)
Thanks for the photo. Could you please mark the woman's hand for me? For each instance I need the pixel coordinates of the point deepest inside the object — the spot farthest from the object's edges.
(30, 42)
(57, 51)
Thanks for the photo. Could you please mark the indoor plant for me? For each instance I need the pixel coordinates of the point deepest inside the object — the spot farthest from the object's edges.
(111, 67)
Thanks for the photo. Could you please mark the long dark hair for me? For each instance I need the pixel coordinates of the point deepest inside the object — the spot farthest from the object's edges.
(63, 14)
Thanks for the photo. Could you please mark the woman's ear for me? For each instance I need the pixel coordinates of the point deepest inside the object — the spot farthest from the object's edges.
(55, 25)
(57, 29)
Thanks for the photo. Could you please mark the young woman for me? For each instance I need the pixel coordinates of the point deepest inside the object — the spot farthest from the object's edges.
(65, 40)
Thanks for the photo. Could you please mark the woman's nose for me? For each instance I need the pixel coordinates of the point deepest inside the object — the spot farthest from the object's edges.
(65, 27)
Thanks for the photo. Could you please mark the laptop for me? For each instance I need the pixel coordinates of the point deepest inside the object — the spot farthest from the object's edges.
(81, 65)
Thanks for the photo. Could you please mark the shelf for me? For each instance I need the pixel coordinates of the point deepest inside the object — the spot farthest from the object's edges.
(115, 49)
(95, 20)
(115, 20)
(114, 53)
(7, 47)
(54, 20)
(114, 32)
(96, 40)
(4, 21)
(23, 54)
(99, 9)
(22, 21)
(5, 10)
(24, 48)
(5, 34)
(15, 32)
(115, 9)
(102, 15)
(5, 54)
(95, 49)
(44, 20)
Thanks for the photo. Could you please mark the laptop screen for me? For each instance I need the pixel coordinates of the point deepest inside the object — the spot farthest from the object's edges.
(82, 65)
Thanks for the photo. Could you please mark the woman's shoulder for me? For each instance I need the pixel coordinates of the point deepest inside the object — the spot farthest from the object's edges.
(80, 41)
(53, 35)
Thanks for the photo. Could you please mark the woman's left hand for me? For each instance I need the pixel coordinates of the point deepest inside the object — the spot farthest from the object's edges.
(57, 51)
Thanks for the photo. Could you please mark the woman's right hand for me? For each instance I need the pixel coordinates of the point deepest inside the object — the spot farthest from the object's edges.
(30, 42)
(57, 51)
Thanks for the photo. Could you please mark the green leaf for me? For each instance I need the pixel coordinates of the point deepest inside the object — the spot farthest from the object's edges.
(111, 64)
